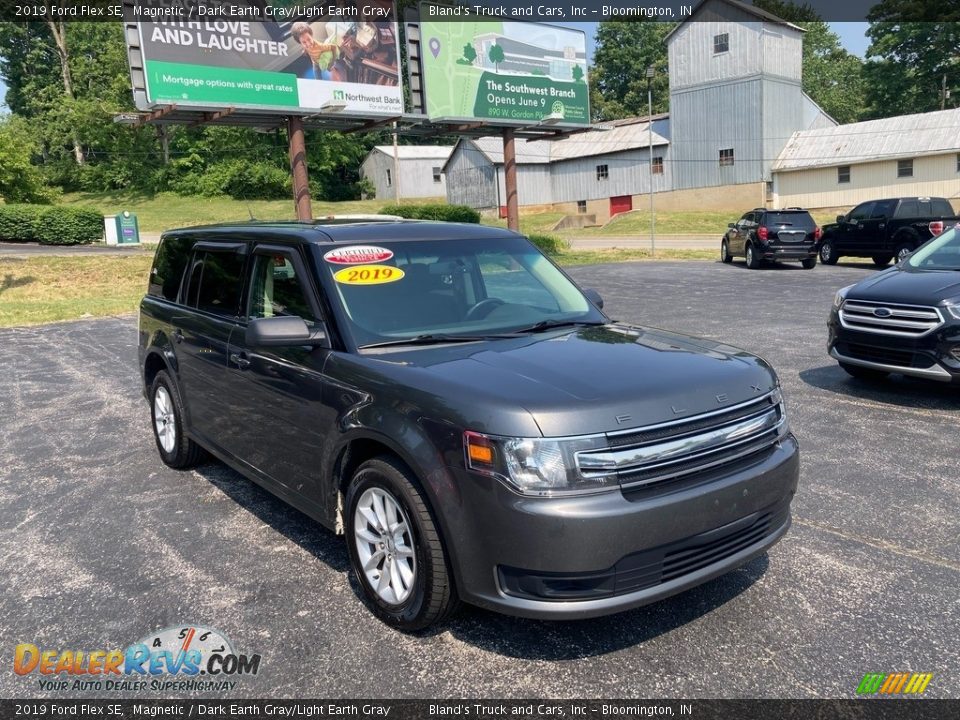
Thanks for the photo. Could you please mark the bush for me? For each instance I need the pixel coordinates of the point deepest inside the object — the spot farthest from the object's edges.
(69, 226)
(549, 244)
(434, 211)
(18, 223)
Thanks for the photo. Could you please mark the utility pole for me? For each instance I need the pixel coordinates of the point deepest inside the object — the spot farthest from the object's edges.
(298, 169)
(510, 179)
(396, 166)
(651, 72)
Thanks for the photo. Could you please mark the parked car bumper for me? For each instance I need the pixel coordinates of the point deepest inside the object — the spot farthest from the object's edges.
(586, 556)
(788, 252)
(935, 356)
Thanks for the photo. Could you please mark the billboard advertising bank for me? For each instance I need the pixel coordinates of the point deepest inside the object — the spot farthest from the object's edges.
(345, 59)
(519, 72)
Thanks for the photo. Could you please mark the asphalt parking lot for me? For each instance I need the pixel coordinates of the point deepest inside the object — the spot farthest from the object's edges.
(100, 543)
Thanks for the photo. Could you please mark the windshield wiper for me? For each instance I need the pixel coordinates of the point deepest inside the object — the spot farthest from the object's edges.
(551, 324)
(440, 339)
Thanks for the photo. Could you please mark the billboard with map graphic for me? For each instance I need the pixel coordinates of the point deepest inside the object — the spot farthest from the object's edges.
(515, 72)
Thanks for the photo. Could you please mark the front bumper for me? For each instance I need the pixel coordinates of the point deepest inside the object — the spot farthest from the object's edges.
(928, 356)
(581, 557)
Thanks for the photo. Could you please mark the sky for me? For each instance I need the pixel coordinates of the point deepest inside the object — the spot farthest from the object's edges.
(852, 36)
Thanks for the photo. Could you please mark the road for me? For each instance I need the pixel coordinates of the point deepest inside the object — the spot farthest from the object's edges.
(101, 544)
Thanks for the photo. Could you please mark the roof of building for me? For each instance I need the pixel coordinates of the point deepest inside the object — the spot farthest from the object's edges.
(750, 9)
(417, 152)
(620, 135)
(890, 138)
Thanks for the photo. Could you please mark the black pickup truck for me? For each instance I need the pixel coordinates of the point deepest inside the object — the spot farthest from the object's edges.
(886, 229)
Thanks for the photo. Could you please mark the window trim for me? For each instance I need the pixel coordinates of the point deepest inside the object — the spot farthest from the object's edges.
(437, 174)
(299, 268)
(581, 207)
(657, 167)
(603, 174)
(725, 43)
(841, 173)
(900, 168)
(721, 158)
(389, 177)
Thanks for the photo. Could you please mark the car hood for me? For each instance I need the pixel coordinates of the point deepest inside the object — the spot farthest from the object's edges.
(909, 286)
(592, 379)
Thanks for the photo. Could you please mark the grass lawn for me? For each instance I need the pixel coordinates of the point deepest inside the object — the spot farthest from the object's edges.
(39, 290)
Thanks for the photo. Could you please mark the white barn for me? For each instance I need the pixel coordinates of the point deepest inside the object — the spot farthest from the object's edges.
(420, 169)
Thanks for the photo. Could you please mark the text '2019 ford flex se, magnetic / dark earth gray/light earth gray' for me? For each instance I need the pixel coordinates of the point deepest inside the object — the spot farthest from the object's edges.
(471, 420)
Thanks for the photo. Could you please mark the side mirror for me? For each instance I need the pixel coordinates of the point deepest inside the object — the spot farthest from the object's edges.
(841, 218)
(282, 330)
(594, 297)
(731, 225)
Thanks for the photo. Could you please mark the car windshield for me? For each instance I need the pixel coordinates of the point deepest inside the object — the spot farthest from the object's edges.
(441, 290)
(941, 253)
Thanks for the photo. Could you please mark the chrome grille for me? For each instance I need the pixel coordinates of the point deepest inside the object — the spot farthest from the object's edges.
(890, 318)
(679, 449)
(792, 236)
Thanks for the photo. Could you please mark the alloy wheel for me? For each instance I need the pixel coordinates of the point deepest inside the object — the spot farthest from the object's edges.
(164, 419)
(384, 541)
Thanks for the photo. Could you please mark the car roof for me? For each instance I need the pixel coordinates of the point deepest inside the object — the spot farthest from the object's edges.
(343, 230)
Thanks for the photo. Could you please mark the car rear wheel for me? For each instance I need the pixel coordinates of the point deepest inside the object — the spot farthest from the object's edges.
(395, 547)
(753, 261)
(882, 260)
(864, 373)
(166, 409)
(725, 255)
(828, 253)
(809, 263)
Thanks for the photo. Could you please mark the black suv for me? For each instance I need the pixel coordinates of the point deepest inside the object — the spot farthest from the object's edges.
(450, 400)
(905, 319)
(772, 235)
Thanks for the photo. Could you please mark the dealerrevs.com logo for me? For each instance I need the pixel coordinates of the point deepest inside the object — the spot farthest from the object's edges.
(180, 659)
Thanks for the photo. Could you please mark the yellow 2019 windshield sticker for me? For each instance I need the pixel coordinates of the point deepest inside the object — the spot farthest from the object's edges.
(368, 275)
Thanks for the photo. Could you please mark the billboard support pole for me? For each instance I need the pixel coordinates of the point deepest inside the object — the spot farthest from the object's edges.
(298, 168)
(510, 179)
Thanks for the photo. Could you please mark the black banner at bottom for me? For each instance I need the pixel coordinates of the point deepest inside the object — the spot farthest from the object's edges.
(860, 709)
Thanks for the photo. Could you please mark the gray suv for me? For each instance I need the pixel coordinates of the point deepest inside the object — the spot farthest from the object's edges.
(447, 398)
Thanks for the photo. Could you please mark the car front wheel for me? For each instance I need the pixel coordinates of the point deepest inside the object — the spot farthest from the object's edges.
(828, 253)
(166, 408)
(395, 547)
(725, 255)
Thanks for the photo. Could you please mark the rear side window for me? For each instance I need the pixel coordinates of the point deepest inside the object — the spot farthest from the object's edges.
(795, 219)
(908, 209)
(168, 266)
(214, 283)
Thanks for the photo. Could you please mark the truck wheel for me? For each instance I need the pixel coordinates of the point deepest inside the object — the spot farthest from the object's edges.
(882, 260)
(166, 409)
(753, 262)
(395, 547)
(863, 373)
(809, 263)
(725, 255)
(902, 250)
(828, 253)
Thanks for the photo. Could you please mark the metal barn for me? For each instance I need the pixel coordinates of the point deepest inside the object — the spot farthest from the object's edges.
(420, 170)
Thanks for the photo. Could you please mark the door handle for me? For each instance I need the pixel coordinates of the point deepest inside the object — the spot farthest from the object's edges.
(178, 336)
(239, 360)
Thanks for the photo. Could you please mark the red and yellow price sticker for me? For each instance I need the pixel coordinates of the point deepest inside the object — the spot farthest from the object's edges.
(368, 275)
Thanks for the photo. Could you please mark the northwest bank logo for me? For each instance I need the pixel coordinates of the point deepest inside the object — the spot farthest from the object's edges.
(344, 96)
(181, 653)
(894, 683)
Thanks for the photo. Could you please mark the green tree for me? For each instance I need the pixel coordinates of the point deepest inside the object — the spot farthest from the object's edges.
(469, 53)
(496, 56)
(577, 73)
(20, 180)
(832, 77)
(912, 63)
(624, 50)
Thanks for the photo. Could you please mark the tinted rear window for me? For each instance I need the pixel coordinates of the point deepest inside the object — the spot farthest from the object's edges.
(796, 219)
(168, 266)
(215, 282)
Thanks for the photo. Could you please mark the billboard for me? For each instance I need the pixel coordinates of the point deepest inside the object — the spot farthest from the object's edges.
(343, 60)
(513, 72)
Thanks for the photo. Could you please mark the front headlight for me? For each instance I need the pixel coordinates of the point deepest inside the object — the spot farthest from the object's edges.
(952, 306)
(535, 466)
(841, 296)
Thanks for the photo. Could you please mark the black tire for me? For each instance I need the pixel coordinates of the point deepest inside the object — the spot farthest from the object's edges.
(809, 263)
(725, 255)
(864, 373)
(882, 260)
(753, 262)
(182, 452)
(828, 253)
(902, 249)
(432, 597)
